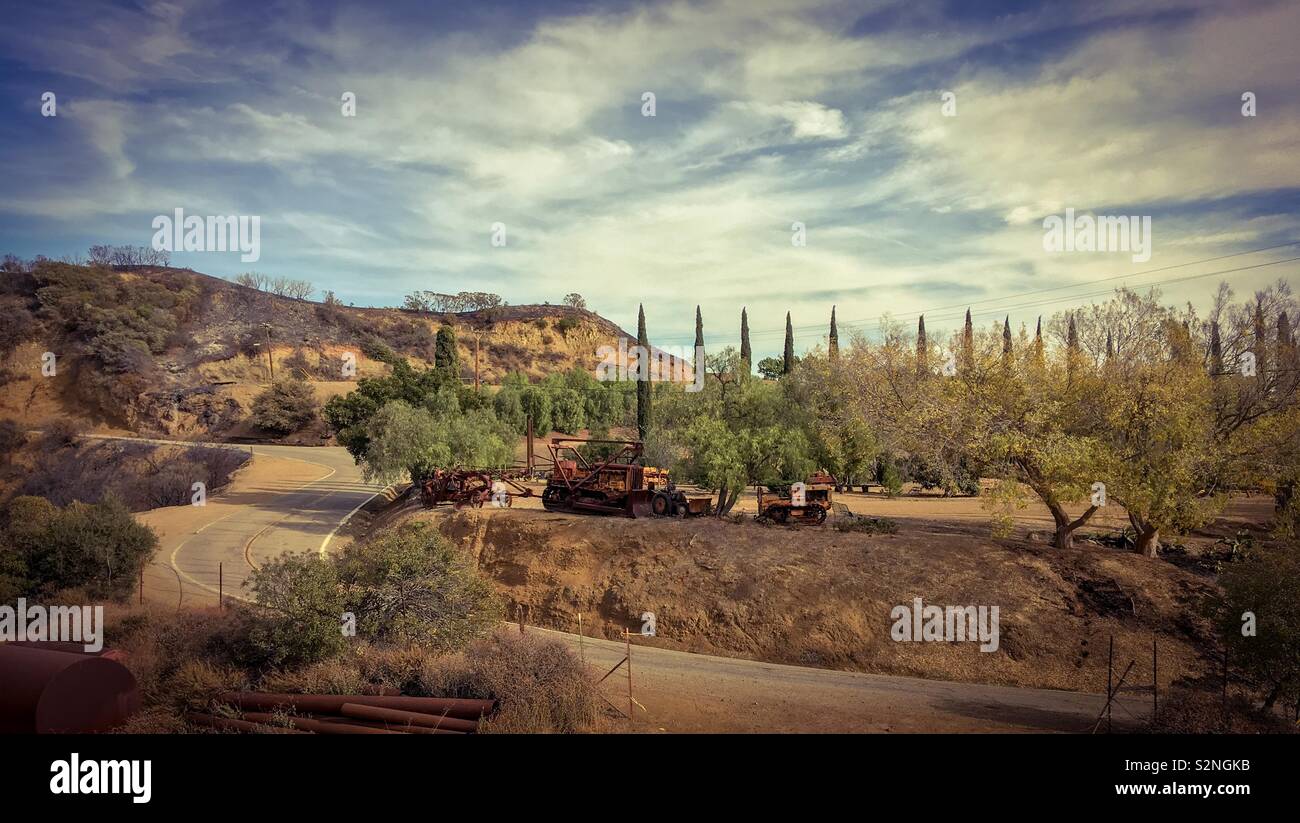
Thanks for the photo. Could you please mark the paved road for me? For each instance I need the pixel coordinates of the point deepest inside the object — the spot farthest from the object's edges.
(294, 499)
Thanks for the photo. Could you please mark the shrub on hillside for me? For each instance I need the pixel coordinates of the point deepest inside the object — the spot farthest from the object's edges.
(407, 586)
(411, 585)
(141, 475)
(57, 434)
(541, 684)
(286, 407)
(99, 547)
(19, 324)
(566, 324)
(12, 438)
(1203, 711)
(1264, 583)
(300, 620)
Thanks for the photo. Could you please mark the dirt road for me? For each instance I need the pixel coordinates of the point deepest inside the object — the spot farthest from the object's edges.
(682, 692)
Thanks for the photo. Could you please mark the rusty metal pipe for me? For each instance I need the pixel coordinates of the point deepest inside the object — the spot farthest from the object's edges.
(318, 726)
(43, 691)
(383, 724)
(431, 721)
(332, 703)
(233, 725)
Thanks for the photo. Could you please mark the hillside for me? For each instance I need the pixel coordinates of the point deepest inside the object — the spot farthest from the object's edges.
(203, 355)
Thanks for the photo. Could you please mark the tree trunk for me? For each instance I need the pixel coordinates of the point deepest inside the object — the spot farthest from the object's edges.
(727, 499)
(1063, 538)
(1065, 528)
(1273, 696)
(1147, 542)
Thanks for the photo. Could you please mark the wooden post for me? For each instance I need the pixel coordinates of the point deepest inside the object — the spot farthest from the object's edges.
(270, 361)
(1225, 684)
(581, 652)
(1155, 681)
(1110, 674)
(530, 444)
(627, 638)
(221, 587)
(141, 584)
(476, 346)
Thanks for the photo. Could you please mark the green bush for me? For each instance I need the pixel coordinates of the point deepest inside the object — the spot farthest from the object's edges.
(99, 546)
(565, 324)
(866, 524)
(285, 407)
(302, 612)
(407, 586)
(410, 585)
(1264, 583)
(889, 476)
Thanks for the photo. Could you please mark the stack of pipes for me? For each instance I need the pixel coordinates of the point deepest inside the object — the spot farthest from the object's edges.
(347, 714)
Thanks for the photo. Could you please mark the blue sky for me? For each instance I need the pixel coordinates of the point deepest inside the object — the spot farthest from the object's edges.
(530, 115)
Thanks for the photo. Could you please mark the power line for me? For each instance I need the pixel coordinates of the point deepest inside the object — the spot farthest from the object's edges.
(875, 325)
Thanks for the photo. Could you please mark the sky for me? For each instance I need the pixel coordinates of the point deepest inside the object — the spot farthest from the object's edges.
(920, 145)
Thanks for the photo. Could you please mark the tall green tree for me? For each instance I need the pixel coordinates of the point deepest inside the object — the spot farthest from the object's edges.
(697, 363)
(967, 345)
(746, 353)
(444, 354)
(834, 340)
(788, 362)
(643, 412)
(922, 348)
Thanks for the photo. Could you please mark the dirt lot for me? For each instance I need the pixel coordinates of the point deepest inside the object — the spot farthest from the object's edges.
(814, 596)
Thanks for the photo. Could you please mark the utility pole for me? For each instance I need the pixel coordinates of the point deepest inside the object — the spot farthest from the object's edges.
(477, 339)
(530, 444)
(269, 362)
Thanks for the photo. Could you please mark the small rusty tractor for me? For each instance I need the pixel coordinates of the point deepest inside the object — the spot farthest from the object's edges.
(614, 484)
(472, 487)
(801, 502)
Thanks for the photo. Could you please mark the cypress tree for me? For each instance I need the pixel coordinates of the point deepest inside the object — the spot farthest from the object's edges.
(746, 353)
(789, 346)
(835, 338)
(1006, 336)
(922, 348)
(444, 351)
(1260, 347)
(699, 340)
(642, 386)
(968, 345)
(1038, 341)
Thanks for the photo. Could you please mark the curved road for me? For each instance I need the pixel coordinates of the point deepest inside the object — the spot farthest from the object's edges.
(295, 498)
(291, 499)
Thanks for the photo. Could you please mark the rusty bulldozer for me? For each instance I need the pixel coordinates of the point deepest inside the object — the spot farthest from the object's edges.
(801, 502)
(615, 483)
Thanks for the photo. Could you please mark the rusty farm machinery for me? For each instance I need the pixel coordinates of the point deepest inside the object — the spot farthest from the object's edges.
(803, 502)
(473, 487)
(605, 477)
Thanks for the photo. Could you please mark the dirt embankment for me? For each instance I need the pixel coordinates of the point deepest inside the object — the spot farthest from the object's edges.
(818, 597)
(202, 385)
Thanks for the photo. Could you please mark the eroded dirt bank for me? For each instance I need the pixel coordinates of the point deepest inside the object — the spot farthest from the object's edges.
(818, 597)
